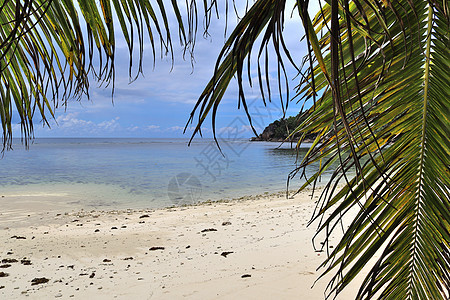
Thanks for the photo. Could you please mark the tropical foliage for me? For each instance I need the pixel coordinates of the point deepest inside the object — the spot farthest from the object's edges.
(377, 72)
(50, 48)
(385, 72)
(381, 69)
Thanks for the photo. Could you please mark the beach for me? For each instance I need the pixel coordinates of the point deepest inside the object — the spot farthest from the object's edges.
(255, 247)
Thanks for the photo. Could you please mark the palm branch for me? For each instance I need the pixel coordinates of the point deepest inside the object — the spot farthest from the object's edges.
(387, 105)
(382, 70)
(49, 50)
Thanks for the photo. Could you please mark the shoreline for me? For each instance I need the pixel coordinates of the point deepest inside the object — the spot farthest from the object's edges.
(252, 247)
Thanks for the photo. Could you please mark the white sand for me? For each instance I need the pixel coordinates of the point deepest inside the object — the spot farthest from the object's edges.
(85, 258)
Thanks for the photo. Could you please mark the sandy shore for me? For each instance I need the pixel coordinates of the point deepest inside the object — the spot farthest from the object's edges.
(254, 248)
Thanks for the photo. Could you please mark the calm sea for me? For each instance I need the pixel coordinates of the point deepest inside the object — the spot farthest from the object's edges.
(143, 173)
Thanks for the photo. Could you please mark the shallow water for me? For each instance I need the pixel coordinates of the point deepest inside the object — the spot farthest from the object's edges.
(143, 173)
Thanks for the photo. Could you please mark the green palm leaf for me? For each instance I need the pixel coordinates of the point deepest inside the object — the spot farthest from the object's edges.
(50, 48)
(382, 70)
(388, 107)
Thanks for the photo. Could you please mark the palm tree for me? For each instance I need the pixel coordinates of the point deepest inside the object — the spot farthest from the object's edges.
(377, 72)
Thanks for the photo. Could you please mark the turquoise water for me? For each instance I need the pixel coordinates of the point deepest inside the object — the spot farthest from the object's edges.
(143, 173)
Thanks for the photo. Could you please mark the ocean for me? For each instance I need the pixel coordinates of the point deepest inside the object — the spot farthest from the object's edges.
(120, 173)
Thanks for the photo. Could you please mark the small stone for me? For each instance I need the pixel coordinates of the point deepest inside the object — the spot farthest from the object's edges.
(106, 260)
(225, 253)
(246, 276)
(41, 280)
(156, 248)
(226, 223)
(209, 229)
(25, 262)
(3, 274)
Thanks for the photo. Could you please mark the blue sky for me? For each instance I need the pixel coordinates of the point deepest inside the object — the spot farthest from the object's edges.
(158, 104)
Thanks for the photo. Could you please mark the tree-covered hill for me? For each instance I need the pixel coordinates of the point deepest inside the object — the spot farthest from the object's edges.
(282, 129)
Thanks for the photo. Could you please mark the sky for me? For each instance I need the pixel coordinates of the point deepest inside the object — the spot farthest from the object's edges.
(158, 103)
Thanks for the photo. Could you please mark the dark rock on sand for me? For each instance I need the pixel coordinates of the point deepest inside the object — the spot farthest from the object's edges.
(25, 262)
(92, 275)
(226, 223)
(225, 253)
(209, 229)
(156, 248)
(39, 280)
(144, 216)
(246, 276)
(5, 266)
(3, 274)
(9, 260)
(106, 260)
(18, 237)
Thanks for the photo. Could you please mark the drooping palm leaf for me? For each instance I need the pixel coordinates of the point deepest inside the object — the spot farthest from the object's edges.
(264, 18)
(50, 48)
(383, 70)
(391, 111)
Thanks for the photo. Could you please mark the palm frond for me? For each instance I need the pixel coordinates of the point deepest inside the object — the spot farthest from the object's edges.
(50, 48)
(385, 118)
(264, 19)
(382, 70)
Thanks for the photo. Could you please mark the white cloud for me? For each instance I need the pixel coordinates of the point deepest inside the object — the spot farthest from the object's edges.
(235, 130)
(70, 120)
(70, 124)
(175, 128)
(152, 127)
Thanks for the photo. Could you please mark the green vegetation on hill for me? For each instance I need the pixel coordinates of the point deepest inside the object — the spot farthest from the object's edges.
(283, 130)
